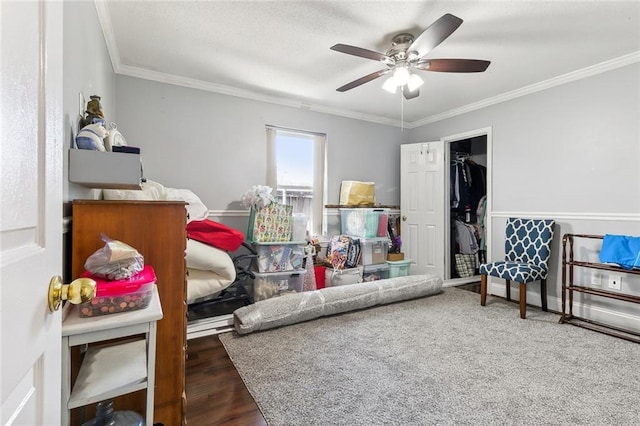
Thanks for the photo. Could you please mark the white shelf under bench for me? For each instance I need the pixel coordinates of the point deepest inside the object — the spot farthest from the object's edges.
(112, 369)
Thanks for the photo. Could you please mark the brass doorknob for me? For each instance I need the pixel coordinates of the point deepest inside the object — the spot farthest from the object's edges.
(404, 218)
(79, 291)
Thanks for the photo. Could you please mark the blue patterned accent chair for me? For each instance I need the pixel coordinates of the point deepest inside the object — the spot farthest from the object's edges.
(527, 248)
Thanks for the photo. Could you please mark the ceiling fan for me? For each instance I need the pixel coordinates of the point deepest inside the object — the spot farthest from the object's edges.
(406, 54)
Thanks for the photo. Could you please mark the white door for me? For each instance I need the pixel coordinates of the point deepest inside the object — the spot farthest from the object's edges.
(31, 135)
(422, 206)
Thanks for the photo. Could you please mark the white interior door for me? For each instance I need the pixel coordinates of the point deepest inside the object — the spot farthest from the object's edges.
(31, 216)
(422, 206)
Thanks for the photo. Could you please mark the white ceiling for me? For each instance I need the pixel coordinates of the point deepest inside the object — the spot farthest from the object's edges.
(278, 51)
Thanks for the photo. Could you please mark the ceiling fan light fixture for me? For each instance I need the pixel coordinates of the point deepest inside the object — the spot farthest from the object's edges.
(401, 76)
(390, 85)
(407, 54)
(414, 82)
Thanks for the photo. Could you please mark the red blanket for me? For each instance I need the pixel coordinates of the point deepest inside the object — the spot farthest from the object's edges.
(215, 234)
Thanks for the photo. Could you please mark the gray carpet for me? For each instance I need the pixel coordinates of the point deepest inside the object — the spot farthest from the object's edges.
(439, 360)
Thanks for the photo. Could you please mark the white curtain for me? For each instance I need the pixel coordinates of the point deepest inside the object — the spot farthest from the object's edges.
(272, 166)
(318, 225)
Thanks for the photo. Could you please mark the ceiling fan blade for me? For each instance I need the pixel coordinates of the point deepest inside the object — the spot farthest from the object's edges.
(435, 34)
(358, 51)
(453, 65)
(362, 80)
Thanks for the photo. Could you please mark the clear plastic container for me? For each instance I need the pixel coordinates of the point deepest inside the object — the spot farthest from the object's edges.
(119, 295)
(270, 284)
(105, 416)
(278, 257)
(373, 251)
(365, 222)
(399, 268)
(375, 272)
(299, 227)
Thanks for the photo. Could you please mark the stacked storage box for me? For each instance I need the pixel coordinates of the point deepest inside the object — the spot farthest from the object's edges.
(399, 268)
(374, 258)
(278, 269)
(364, 222)
(368, 226)
(343, 255)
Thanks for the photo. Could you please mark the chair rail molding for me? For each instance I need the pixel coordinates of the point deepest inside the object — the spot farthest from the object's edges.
(595, 216)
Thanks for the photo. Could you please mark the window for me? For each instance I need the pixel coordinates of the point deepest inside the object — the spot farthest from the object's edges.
(296, 170)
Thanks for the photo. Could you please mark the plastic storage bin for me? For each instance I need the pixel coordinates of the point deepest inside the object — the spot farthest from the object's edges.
(364, 223)
(375, 272)
(271, 284)
(399, 268)
(373, 251)
(119, 295)
(337, 277)
(278, 257)
(105, 416)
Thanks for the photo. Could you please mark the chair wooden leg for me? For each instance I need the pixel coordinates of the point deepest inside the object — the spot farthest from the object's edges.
(483, 290)
(523, 300)
(508, 290)
(543, 294)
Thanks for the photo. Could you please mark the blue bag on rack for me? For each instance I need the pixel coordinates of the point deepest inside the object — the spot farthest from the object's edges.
(622, 250)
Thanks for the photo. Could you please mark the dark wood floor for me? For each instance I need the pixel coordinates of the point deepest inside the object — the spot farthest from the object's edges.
(216, 395)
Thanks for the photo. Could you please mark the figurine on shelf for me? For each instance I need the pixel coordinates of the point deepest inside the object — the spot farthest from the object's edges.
(94, 112)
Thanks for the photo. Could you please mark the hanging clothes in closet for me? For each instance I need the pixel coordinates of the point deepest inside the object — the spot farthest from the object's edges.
(467, 194)
(468, 185)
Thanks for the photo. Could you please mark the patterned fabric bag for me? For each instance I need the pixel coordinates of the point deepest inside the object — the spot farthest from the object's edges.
(343, 252)
(466, 265)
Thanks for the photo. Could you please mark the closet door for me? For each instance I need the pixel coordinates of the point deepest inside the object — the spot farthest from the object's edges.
(422, 206)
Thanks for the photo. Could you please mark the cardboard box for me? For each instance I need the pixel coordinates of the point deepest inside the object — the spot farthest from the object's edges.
(355, 193)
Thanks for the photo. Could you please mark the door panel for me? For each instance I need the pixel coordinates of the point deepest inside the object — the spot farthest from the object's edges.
(422, 205)
(31, 215)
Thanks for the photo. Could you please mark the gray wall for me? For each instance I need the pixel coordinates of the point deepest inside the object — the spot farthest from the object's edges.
(87, 70)
(571, 153)
(215, 144)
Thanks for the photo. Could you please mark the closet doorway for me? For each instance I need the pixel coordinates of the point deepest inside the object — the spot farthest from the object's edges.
(467, 195)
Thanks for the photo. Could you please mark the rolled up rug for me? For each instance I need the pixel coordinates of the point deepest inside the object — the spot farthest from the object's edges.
(305, 306)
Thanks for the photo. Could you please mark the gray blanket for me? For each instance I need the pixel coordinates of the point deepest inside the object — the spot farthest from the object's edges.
(298, 307)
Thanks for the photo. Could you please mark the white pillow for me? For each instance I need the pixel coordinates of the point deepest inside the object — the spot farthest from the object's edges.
(208, 258)
(195, 208)
(151, 191)
(201, 284)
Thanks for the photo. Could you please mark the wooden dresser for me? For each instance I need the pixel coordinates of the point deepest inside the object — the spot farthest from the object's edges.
(157, 230)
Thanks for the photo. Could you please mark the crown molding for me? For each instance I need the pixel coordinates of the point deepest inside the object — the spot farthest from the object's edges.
(119, 68)
(533, 88)
(248, 94)
(107, 31)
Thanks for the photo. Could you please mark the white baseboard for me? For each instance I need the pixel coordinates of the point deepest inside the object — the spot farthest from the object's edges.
(590, 312)
(454, 282)
(209, 326)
